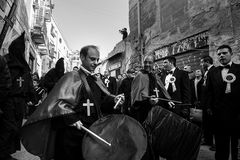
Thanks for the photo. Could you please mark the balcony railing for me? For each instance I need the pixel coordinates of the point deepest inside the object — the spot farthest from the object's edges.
(37, 35)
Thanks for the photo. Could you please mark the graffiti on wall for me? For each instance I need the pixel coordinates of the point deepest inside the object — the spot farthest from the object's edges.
(193, 42)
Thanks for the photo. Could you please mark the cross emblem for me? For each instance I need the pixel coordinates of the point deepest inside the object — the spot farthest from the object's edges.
(88, 105)
(156, 91)
(20, 80)
(106, 82)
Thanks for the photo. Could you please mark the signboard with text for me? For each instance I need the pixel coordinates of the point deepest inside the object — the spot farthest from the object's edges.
(190, 43)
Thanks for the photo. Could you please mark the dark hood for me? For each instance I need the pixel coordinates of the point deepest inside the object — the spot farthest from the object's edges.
(17, 50)
(59, 67)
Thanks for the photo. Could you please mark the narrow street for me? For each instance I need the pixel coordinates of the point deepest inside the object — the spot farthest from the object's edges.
(204, 154)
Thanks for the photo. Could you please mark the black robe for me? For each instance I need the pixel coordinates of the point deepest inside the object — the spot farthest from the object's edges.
(8, 125)
(142, 87)
(125, 88)
(21, 90)
(53, 75)
(52, 119)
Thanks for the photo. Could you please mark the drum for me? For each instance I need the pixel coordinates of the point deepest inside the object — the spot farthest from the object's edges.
(127, 137)
(171, 136)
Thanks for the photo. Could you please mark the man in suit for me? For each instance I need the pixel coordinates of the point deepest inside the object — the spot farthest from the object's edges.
(178, 86)
(206, 63)
(110, 82)
(196, 88)
(196, 93)
(223, 87)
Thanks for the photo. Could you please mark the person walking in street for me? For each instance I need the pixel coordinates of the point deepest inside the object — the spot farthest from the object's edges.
(110, 82)
(8, 126)
(177, 84)
(223, 88)
(146, 88)
(22, 90)
(78, 99)
(125, 88)
(206, 63)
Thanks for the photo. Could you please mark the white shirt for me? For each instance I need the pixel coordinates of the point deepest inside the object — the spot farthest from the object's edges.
(196, 81)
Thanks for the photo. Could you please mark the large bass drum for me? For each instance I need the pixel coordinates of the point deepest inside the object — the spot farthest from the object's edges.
(171, 136)
(127, 137)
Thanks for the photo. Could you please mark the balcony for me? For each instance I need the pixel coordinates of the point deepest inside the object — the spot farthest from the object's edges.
(35, 4)
(37, 35)
(43, 50)
(52, 53)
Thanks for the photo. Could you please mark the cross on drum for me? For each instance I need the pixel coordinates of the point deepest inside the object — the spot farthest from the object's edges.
(88, 105)
(20, 80)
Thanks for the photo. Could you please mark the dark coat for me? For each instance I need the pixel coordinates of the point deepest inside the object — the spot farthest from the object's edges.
(125, 88)
(225, 108)
(53, 75)
(112, 84)
(62, 107)
(142, 88)
(195, 101)
(5, 80)
(182, 93)
(21, 90)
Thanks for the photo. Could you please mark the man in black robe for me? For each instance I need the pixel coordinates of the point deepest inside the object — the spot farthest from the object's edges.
(53, 75)
(8, 127)
(79, 98)
(21, 90)
(146, 88)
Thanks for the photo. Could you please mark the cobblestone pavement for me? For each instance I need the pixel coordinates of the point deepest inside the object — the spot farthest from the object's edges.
(204, 154)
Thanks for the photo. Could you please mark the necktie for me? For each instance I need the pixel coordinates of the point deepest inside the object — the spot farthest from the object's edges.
(170, 72)
(225, 67)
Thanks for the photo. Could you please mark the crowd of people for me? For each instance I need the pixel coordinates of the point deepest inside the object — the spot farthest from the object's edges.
(55, 104)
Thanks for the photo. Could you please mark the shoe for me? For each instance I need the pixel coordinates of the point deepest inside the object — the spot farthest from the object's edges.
(212, 148)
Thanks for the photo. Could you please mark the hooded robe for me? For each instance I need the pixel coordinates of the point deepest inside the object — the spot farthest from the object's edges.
(21, 90)
(143, 86)
(49, 126)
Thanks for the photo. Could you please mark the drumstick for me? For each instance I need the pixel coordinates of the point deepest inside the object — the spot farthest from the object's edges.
(96, 136)
(164, 99)
(119, 100)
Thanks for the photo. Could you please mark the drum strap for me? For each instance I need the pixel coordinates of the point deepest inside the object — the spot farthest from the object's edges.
(83, 78)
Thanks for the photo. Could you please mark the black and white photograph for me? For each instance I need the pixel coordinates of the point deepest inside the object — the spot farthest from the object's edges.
(119, 79)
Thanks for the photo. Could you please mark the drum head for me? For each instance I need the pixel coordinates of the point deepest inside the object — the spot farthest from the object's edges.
(127, 137)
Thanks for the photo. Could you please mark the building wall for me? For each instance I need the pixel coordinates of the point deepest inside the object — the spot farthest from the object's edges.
(168, 21)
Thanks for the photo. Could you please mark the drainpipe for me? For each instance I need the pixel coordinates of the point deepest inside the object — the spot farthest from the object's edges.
(139, 32)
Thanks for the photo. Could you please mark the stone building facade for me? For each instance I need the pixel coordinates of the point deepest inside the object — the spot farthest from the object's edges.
(187, 29)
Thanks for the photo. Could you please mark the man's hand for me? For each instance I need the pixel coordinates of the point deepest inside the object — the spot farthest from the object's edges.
(171, 104)
(153, 100)
(119, 99)
(120, 96)
(77, 124)
(29, 103)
